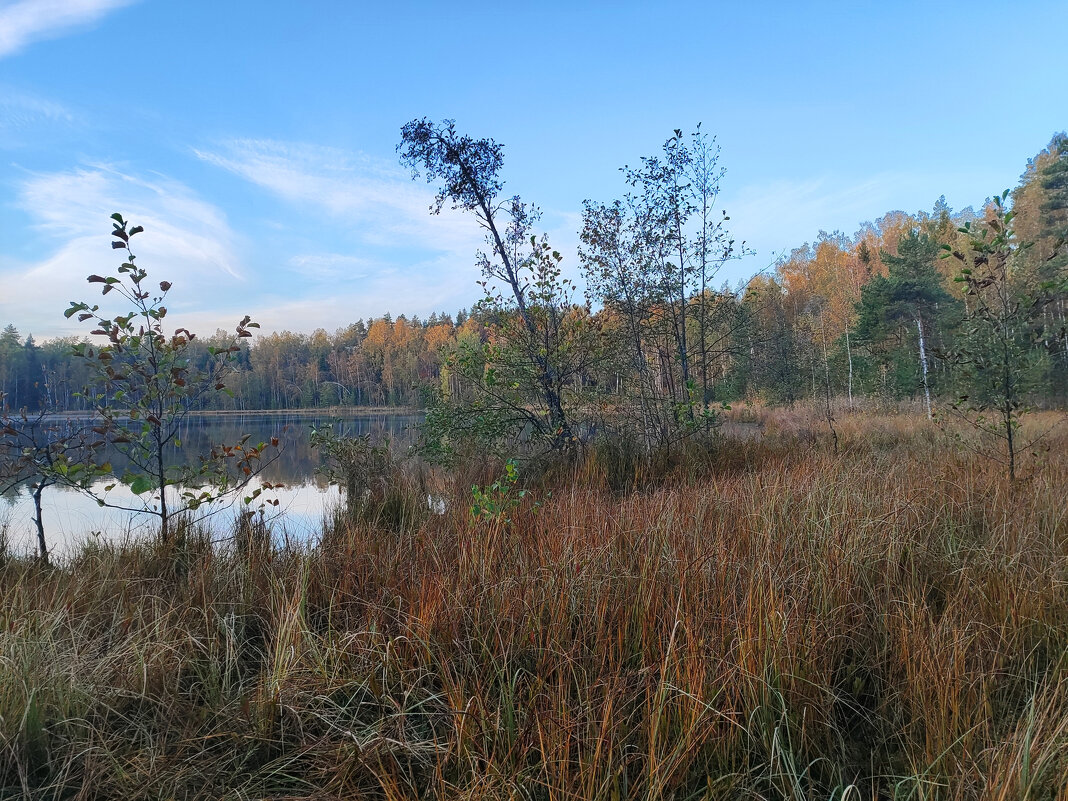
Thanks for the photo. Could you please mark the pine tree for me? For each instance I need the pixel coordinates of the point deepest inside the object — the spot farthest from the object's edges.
(910, 295)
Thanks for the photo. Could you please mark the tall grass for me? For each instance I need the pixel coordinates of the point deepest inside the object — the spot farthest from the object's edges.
(767, 620)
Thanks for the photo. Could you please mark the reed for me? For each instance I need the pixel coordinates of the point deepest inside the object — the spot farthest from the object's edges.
(763, 619)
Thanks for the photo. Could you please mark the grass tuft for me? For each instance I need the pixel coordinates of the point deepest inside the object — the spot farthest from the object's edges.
(760, 619)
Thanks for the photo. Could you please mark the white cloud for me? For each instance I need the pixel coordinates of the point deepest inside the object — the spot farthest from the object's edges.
(784, 214)
(384, 211)
(186, 241)
(331, 266)
(189, 242)
(26, 21)
(403, 259)
(359, 242)
(419, 289)
(375, 200)
(19, 110)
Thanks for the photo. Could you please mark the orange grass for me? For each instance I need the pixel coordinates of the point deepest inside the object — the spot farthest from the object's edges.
(765, 621)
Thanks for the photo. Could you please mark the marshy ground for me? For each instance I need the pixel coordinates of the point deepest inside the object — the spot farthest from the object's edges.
(755, 618)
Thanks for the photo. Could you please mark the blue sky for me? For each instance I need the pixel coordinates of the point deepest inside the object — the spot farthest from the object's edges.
(255, 141)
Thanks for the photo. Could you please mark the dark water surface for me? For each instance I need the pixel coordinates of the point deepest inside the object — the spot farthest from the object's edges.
(71, 517)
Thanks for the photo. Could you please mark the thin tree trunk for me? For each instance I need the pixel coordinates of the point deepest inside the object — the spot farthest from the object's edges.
(684, 359)
(1007, 407)
(849, 355)
(164, 518)
(1064, 331)
(645, 388)
(561, 434)
(827, 378)
(42, 546)
(1011, 444)
(923, 367)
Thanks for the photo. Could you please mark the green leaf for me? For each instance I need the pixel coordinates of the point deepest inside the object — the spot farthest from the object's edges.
(141, 484)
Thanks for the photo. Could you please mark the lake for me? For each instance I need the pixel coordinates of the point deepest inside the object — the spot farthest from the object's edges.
(71, 516)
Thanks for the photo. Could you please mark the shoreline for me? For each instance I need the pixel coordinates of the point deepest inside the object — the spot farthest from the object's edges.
(325, 411)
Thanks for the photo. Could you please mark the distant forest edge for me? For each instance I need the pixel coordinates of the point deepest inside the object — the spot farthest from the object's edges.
(831, 315)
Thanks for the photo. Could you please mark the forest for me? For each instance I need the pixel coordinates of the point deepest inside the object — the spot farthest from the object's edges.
(877, 316)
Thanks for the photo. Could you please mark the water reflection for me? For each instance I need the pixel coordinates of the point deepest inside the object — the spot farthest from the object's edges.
(71, 516)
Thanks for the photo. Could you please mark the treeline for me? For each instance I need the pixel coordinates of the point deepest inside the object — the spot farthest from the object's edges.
(382, 362)
(875, 314)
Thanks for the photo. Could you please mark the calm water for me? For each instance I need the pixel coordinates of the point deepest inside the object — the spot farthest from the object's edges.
(71, 516)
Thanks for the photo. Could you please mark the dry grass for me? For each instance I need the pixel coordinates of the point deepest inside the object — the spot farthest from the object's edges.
(891, 622)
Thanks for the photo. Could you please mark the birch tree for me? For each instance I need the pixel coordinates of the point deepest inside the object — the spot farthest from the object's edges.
(467, 171)
(1000, 353)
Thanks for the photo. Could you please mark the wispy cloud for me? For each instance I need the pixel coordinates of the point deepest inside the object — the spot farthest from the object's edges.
(379, 208)
(331, 266)
(356, 241)
(387, 252)
(20, 110)
(375, 200)
(25, 21)
(775, 217)
(187, 241)
(421, 288)
(788, 213)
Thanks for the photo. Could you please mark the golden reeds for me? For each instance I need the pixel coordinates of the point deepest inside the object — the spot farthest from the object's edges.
(768, 621)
